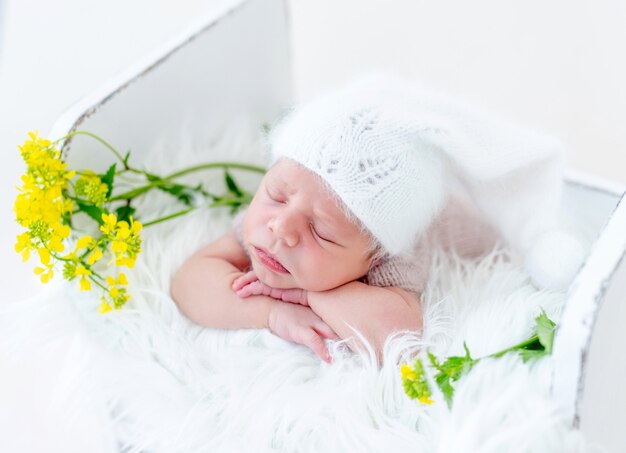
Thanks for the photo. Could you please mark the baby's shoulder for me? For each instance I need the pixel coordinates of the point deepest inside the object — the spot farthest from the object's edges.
(228, 248)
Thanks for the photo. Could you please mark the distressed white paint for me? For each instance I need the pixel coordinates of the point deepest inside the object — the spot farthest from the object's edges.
(585, 301)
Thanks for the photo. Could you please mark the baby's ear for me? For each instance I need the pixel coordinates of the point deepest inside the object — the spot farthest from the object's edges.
(375, 261)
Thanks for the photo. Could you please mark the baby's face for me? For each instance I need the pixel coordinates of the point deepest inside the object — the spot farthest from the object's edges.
(294, 219)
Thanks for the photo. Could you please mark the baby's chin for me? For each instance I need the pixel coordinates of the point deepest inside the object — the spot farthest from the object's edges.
(270, 278)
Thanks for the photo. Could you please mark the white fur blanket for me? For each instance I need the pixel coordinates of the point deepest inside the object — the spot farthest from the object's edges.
(159, 383)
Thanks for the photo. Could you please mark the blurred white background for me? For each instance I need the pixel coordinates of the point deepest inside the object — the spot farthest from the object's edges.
(558, 66)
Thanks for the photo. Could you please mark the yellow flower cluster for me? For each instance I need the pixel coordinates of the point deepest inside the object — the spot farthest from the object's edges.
(91, 187)
(75, 266)
(44, 207)
(40, 206)
(407, 372)
(125, 239)
(415, 383)
(117, 294)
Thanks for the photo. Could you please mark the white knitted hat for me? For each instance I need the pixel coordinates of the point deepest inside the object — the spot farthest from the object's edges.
(388, 148)
(365, 148)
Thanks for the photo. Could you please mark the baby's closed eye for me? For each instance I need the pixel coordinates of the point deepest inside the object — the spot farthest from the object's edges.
(278, 198)
(321, 236)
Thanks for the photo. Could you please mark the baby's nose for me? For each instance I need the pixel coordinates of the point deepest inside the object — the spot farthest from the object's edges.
(286, 229)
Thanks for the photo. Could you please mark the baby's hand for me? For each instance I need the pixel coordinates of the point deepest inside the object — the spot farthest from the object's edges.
(301, 325)
(249, 285)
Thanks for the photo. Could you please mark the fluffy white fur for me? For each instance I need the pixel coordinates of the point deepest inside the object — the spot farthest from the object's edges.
(159, 383)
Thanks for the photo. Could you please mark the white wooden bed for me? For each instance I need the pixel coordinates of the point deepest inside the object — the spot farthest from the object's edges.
(238, 59)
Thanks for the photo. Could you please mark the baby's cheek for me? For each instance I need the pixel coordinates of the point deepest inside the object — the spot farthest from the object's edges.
(319, 275)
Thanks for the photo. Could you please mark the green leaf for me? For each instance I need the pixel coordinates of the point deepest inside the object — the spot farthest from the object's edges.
(545, 331)
(433, 361)
(108, 177)
(152, 177)
(455, 366)
(451, 370)
(92, 211)
(231, 184)
(444, 384)
(125, 159)
(532, 354)
(124, 213)
(183, 193)
(223, 201)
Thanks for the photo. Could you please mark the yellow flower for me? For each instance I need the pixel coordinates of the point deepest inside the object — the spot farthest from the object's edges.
(135, 226)
(110, 220)
(128, 262)
(81, 270)
(85, 285)
(23, 246)
(44, 256)
(121, 280)
(125, 239)
(55, 244)
(25, 255)
(119, 247)
(95, 256)
(123, 230)
(84, 242)
(425, 400)
(91, 187)
(44, 274)
(407, 372)
(118, 295)
(104, 307)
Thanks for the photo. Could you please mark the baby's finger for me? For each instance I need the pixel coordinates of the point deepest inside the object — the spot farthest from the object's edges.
(295, 295)
(316, 344)
(251, 289)
(326, 331)
(243, 280)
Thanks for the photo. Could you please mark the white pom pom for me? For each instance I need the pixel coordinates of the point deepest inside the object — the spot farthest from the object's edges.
(554, 259)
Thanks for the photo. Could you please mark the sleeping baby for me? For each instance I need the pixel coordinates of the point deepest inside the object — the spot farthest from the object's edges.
(336, 239)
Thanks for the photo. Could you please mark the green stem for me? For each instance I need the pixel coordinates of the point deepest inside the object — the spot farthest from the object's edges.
(521, 345)
(225, 165)
(105, 143)
(139, 190)
(171, 216)
(167, 179)
(124, 170)
(97, 282)
(58, 257)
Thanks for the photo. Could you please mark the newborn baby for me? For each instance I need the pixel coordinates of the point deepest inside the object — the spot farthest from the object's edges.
(293, 263)
(360, 182)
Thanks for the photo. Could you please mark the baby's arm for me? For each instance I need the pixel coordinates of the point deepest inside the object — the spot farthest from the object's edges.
(375, 311)
(202, 290)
